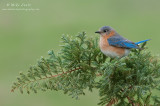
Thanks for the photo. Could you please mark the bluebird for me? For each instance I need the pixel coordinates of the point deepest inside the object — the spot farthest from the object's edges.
(114, 45)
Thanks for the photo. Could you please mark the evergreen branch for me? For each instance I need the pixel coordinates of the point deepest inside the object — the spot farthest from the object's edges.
(140, 70)
(12, 90)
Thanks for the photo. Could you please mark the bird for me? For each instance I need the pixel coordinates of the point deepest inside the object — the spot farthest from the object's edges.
(114, 45)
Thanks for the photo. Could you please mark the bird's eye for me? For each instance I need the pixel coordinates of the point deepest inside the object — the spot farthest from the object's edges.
(104, 31)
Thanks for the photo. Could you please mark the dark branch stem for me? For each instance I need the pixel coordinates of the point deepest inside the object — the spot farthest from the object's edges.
(98, 75)
(130, 101)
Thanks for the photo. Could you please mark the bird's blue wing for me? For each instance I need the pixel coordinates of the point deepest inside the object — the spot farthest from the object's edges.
(119, 41)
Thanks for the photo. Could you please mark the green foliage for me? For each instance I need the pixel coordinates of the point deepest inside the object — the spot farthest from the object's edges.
(80, 65)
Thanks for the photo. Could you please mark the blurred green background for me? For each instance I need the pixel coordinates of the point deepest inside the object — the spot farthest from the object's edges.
(27, 35)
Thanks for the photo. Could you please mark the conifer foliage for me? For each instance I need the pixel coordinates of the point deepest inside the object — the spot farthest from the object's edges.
(80, 65)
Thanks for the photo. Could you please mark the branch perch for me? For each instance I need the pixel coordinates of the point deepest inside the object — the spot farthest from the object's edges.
(140, 68)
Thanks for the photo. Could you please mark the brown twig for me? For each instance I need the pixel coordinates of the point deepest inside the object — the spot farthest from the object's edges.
(98, 75)
(112, 101)
(129, 100)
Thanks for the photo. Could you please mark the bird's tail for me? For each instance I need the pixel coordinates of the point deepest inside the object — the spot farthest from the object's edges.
(142, 41)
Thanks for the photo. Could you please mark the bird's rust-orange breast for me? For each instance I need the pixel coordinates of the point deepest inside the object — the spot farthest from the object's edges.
(104, 45)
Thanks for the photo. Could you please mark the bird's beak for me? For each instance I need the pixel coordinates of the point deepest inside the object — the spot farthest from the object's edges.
(97, 32)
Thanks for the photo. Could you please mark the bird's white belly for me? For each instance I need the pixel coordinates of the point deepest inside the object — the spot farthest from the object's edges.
(114, 54)
(109, 53)
(127, 51)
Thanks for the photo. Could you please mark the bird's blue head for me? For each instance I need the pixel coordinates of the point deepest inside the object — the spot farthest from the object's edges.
(105, 30)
